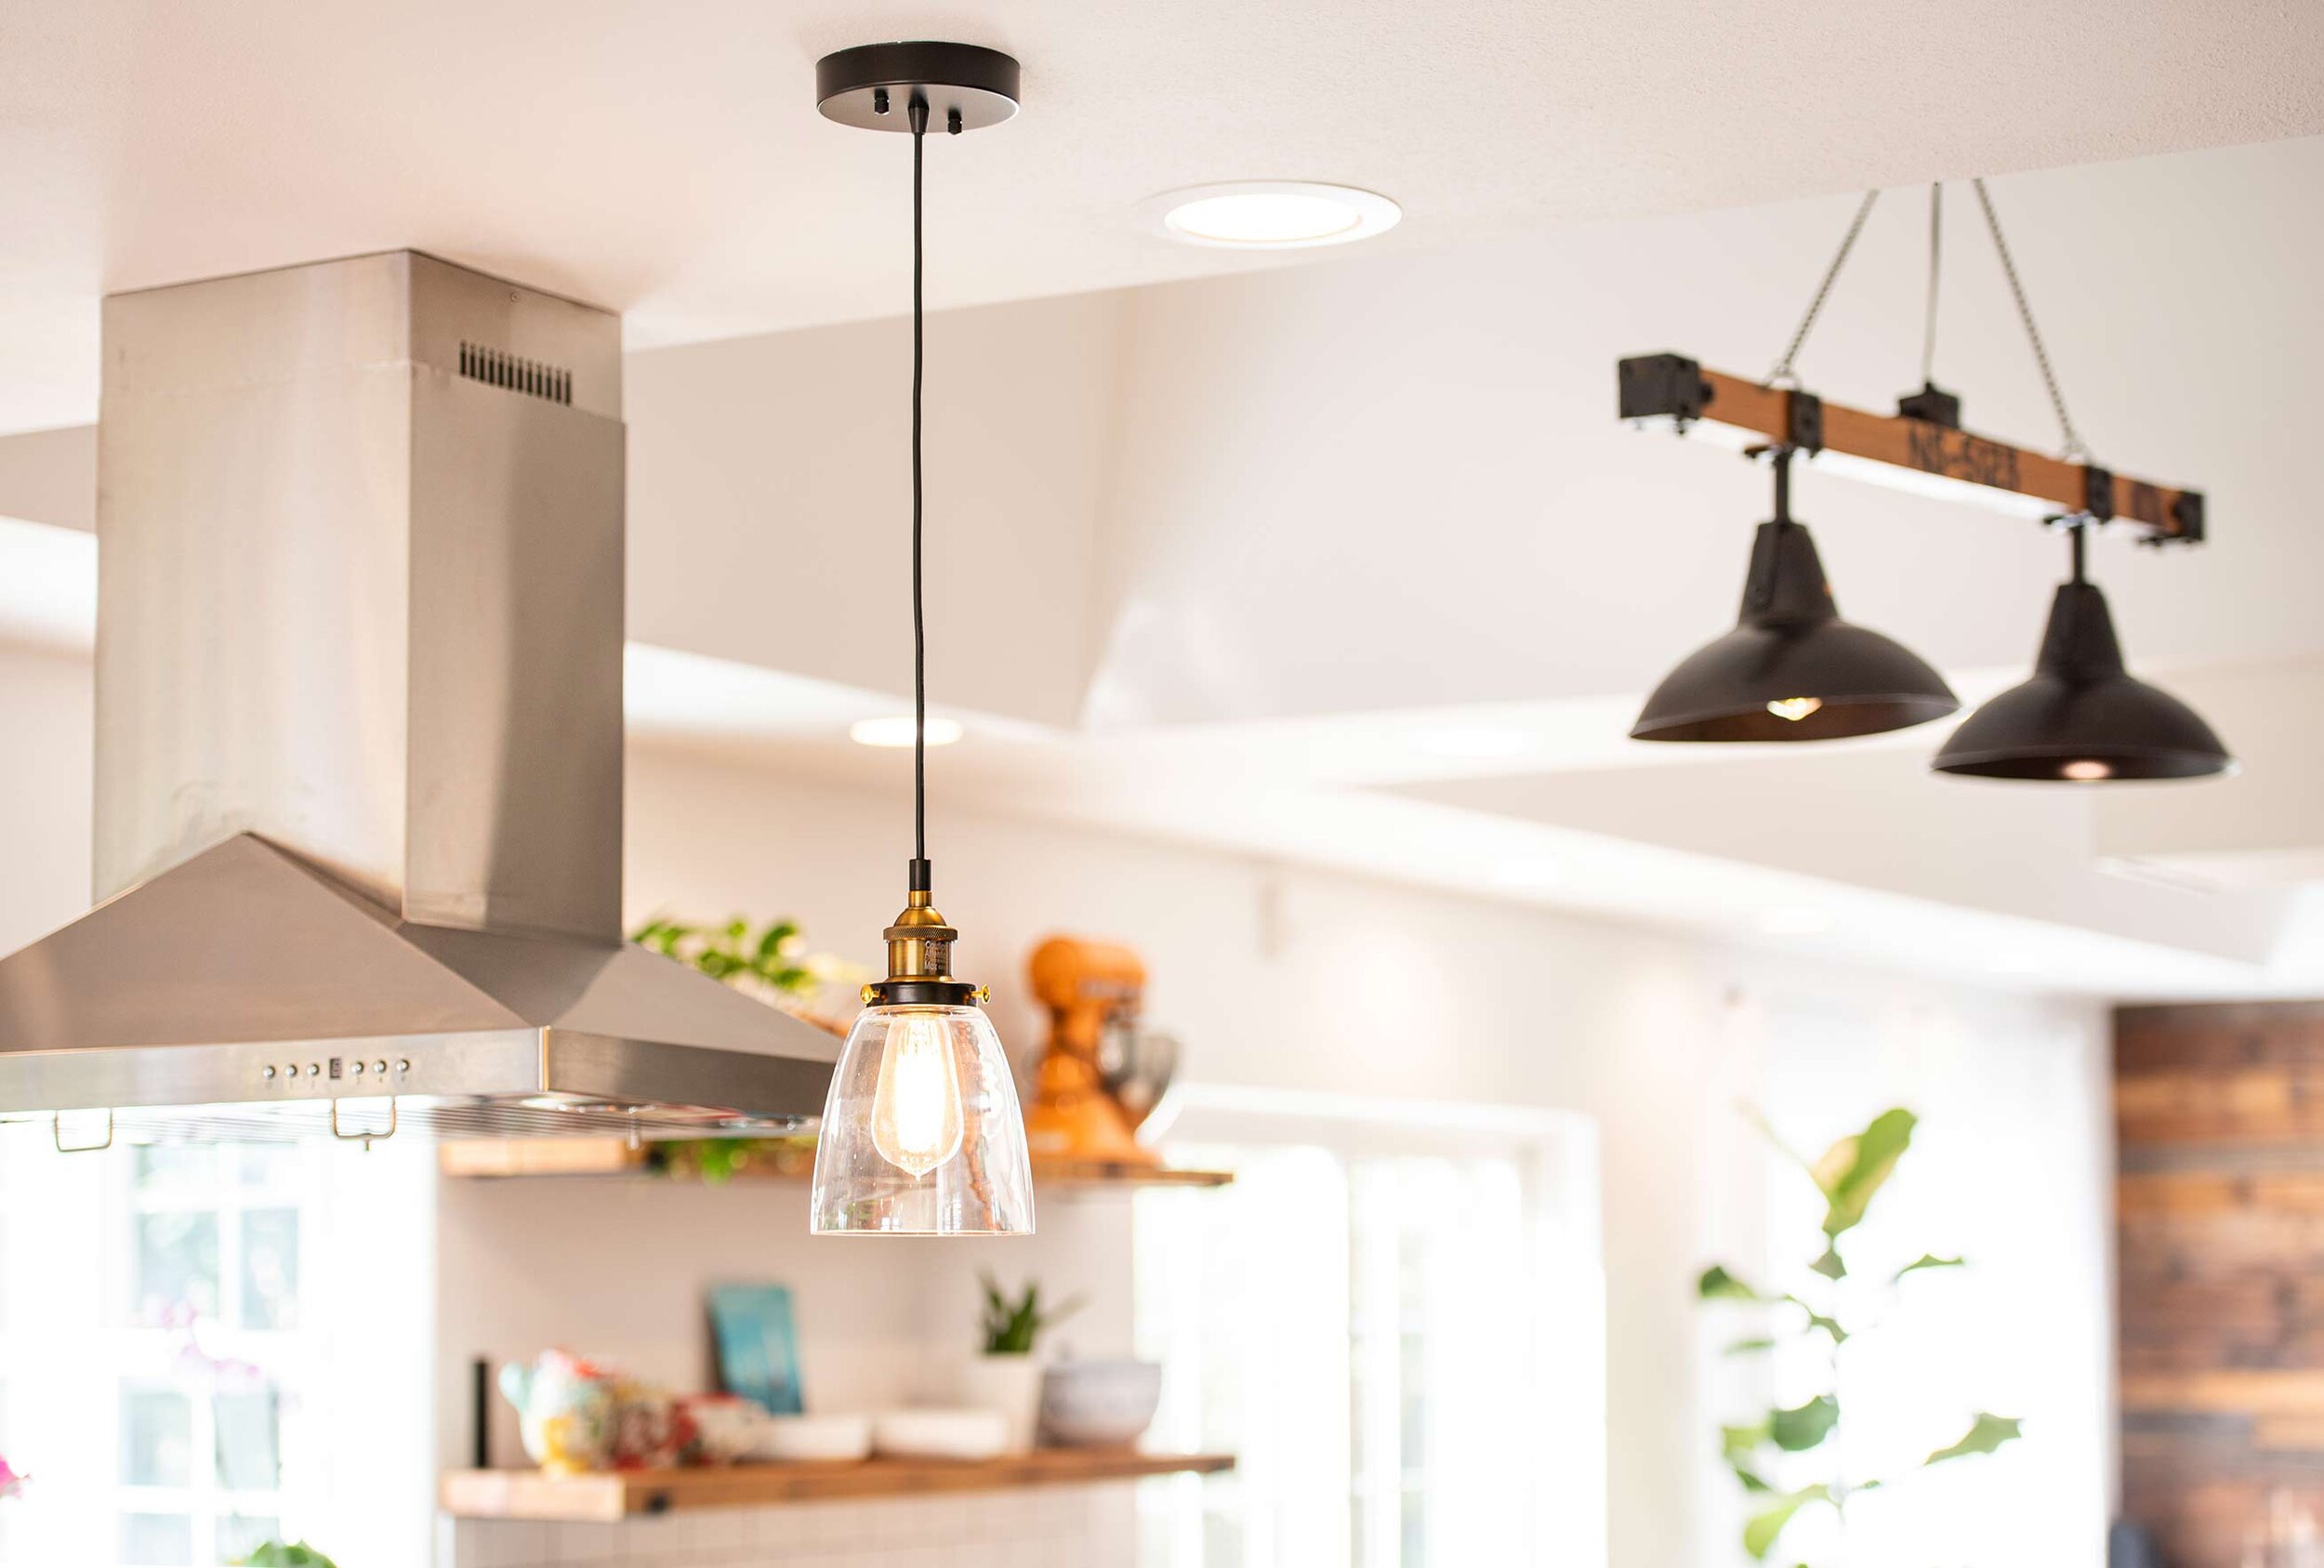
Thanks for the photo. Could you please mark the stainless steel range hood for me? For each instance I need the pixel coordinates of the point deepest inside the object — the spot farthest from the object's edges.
(359, 739)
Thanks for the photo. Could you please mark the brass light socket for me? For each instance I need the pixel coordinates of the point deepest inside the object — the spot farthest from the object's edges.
(919, 961)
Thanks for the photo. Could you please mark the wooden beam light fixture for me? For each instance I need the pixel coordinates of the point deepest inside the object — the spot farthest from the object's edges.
(1900, 450)
(1792, 670)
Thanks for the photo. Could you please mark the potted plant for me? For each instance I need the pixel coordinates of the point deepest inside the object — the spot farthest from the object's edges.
(1007, 1376)
(1789, 1460)
(282, 1554)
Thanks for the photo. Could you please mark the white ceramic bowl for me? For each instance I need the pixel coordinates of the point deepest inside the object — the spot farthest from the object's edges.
(941, 1434)
(797, 1438)
(1099, 1404)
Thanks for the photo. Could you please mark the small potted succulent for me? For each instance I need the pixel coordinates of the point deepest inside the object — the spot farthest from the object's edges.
(286, 1554)
(1007, 1376)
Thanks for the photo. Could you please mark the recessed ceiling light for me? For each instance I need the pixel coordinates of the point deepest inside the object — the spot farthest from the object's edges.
(896, 730)
(1269, 214)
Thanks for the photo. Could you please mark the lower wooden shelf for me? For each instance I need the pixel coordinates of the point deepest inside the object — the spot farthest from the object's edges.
(608, 1495)
(774, 1159)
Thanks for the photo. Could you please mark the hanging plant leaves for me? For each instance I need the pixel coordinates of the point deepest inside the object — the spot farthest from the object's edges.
(735, 953)
(1829, 1265)
(1929, 1260)
(1796, 1432)
(1820, 1322)
(1746, 1347)
(1760, 1532)
(1717, 1285)
(1737, 1444)
(1854, 1170)
(1986, 1434)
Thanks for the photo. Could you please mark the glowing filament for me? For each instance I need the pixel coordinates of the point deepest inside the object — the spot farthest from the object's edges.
(1794, 708)
(915, 1113)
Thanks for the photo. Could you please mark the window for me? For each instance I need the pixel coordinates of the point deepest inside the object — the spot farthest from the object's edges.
(1430, 1278)
(154, 1343)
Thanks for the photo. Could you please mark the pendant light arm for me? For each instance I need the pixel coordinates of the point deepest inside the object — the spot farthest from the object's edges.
(1781, 457)
(1937, 259)
(1781, 376)
(919, 871)
(2073, 451)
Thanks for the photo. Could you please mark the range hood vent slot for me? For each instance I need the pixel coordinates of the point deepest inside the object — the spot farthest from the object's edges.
(496, 367)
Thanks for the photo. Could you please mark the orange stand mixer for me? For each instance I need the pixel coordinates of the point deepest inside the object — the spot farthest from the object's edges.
(1089, 988)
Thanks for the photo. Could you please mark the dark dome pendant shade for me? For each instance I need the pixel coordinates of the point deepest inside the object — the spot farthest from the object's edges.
(1793, 669)
(2083, 719)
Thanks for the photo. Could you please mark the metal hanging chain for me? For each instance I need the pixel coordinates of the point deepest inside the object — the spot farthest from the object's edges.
(918, 111)
(2074, 451)
(1781, 375)
(1936, 260)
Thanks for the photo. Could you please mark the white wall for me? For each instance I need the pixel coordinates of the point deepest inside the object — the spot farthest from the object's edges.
(1275, 978)
(1292, 979)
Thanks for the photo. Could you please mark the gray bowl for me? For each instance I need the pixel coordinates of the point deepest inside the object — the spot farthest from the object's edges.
(1099, 1403)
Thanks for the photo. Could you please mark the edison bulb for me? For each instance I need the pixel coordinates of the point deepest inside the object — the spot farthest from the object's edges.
(916, 1115)
(1794, 708)
(2087, 771)
(922, 1134)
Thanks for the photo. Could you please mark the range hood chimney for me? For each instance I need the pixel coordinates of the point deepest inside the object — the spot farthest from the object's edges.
(359, 739)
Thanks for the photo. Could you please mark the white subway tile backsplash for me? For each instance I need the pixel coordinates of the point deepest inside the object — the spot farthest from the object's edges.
(1078, 1527)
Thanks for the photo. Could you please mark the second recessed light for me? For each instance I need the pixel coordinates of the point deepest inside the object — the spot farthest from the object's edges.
(1269, 214)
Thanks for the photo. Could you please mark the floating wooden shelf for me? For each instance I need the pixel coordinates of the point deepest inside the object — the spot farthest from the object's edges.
(778, 1160)
(611, 1495)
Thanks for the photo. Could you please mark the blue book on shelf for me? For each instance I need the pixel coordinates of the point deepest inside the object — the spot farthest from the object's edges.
(758, 1346)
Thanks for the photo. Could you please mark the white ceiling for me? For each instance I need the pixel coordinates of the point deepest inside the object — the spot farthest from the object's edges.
(1346, 562)
(665, 160)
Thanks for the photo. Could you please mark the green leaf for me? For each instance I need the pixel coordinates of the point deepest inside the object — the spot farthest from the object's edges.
(1816, 1320)
(1751, 1480)
(1737, 1444)
(1759, 1535)
(1796, 1432)
(1829, 1265)
(1986, 1434)
(1854, 1170)
(1717, 1285)
(1928, 1260)
(1747, 1347)
(274, 1554)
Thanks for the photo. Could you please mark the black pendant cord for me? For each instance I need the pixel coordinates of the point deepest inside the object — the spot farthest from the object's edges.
(2074, 451)
(1781, 375)
(1781, 456)
(2079, 531)
(1936, 261)
(920, 881)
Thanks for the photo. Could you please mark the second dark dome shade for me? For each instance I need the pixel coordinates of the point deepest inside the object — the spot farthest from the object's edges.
(2083, 717)
(1793, 669)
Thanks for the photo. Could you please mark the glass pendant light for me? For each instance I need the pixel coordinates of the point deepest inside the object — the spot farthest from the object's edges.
(1793, 669)
(2083, 717)
(921, 1132)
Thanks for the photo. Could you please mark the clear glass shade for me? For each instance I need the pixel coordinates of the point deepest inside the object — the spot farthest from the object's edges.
(922, 1133)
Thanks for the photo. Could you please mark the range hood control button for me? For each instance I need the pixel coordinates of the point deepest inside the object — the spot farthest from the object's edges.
(270, 1070)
